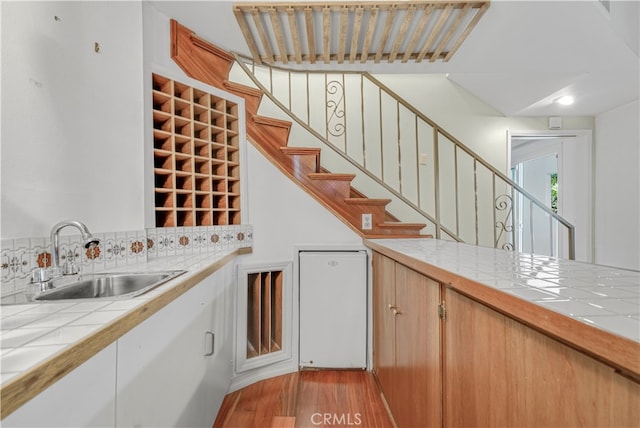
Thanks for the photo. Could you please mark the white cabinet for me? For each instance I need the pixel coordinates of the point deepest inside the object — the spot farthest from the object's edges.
(83, 398)
(175, 368)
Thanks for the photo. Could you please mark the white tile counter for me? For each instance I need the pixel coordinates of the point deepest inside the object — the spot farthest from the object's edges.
(604, 298)
(35, 335)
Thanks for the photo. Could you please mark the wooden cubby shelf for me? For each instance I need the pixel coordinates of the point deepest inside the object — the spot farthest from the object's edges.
(196, 156)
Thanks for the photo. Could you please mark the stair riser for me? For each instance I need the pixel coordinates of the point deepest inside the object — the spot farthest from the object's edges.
(265, 134)
(395, 232)
(305, 162)
(336, 189)
(377, 217)
(251, 103)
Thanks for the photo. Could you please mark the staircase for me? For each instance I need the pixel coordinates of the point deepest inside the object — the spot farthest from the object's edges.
(209, 64)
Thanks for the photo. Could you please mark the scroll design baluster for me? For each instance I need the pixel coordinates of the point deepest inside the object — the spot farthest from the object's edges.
(335, 109)
(504, 204)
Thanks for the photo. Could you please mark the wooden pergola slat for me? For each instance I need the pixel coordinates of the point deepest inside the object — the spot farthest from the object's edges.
(368, 38)
(275, 22)
(311, 38)
(466, 31)
(385, 34)
(355, 36)
(326, 34)
(418, 33)
(295, 36)
(435, 32)
(399, 38)
(244, 27)
(450, 32)
(266, 45)
(342, 38)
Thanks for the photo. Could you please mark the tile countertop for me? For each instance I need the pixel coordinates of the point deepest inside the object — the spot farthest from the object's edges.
(605, 298)
(36, 334)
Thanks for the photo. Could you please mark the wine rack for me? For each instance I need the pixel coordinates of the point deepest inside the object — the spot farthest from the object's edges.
(196, 156)
(264, 313)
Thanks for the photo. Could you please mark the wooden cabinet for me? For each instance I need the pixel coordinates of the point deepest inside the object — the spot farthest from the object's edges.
(175, 368)
(500, 372)
(406, 342)
(481, 368)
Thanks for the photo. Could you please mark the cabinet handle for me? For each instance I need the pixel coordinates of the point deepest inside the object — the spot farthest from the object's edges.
(211, 343)
(395, 309)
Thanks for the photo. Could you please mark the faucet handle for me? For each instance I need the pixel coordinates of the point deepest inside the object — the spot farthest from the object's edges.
(40, 274)
(70, 268)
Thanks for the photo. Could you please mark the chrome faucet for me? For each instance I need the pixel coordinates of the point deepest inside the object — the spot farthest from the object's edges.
(69, 268)
(41, 278)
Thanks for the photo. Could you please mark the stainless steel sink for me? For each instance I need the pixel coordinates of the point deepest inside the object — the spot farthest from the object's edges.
(120, 285)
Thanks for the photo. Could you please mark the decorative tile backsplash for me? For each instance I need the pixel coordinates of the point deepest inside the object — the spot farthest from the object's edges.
(18, 257)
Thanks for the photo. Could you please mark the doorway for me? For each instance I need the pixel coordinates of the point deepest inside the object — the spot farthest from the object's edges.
(556, 168)
(536, 171)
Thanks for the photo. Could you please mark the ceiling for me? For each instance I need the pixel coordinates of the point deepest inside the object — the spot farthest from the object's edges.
(520, 57)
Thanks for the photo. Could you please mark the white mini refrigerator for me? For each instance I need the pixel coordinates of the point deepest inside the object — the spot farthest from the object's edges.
(333, 309)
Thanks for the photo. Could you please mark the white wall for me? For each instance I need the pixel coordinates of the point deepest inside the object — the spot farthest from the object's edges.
(617, 187)
(282, 214)
(72, 128)
(466, 117)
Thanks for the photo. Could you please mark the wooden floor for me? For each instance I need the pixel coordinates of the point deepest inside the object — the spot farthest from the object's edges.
(321, 398)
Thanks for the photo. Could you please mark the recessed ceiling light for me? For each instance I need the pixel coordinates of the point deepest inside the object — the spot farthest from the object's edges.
(565, 100)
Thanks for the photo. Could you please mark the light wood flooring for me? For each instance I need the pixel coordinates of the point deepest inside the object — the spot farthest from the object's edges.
(323, 398)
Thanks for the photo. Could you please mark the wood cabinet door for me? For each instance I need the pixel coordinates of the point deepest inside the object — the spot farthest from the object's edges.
(383, 322)
(417, 373)
(500, 372)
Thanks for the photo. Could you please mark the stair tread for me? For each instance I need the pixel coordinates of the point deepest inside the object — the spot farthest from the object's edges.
(401, 225)
(331, 176)
(367, 201)
(392, 236)
(242, 88)
(272, 121)
(300, 150)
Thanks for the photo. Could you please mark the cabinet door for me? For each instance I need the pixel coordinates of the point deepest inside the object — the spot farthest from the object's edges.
(417, 373)
(502, 373)
(384, 322)
(165, 377)
(82, 398)
(406, 343)
(219, 370)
